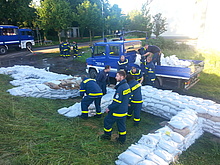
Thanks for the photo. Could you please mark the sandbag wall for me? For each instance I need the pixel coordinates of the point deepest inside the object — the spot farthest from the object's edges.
(33, 82)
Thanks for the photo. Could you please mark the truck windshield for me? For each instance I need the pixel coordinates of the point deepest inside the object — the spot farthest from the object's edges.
(99, 50)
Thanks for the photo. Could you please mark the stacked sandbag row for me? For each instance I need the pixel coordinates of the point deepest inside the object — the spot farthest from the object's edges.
(33, 82)
(166, 104)
(44, 91)
(163, 146)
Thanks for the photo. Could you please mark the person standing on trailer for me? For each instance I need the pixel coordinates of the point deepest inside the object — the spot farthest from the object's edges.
(156, 51)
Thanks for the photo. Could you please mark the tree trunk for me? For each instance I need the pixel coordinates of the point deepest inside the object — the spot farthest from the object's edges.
(90, 37)
(59, 36)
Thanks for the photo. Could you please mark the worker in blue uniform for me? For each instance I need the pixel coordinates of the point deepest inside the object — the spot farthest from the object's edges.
(66, 49)
(102, 79)
(61, 48)
(137, 74)
(149, 71)
(93, 94)
(75, 49)
(117, 110)
(156, 51)
(123, 64)
(135, 102)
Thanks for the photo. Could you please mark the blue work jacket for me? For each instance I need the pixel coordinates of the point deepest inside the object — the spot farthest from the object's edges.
(91, 88)
(119, 105)
(136, 96)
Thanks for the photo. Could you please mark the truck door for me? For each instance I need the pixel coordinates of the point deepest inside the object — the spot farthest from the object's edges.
(114, 56)
(99, 56)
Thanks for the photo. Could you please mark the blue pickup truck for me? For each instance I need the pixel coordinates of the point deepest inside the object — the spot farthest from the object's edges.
(13, 37)
(167, 77)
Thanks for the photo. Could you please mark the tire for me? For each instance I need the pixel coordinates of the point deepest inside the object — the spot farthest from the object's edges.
(29, 46)
(157, 84)
(3, 50)
(92, 73)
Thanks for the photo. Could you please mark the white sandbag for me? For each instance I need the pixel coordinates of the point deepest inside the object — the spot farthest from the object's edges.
(147, 162)
(149, 140)
(168, 145)
(177, 123)
(119, 162)
(140, 150)
(164, 155)
(158, 160)
(129, 157)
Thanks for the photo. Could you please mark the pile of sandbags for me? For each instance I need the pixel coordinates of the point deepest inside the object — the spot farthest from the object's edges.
(33, 82)
(172, 60)
(163, 146)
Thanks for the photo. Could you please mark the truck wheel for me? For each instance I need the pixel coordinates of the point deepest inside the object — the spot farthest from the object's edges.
(3, 50)
(92, 73)
(157, 84)
(29, 46)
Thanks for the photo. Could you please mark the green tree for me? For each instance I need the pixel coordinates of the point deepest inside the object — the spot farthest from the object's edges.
(17, 12)
(89, 17)
(141, 20)
(56, 15)
(114, 18)
(159, 24)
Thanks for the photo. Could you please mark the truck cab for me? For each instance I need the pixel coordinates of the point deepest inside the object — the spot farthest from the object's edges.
(13, 37)
(109, 53)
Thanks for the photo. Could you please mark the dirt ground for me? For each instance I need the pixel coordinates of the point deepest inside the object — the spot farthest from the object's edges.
(57, 64)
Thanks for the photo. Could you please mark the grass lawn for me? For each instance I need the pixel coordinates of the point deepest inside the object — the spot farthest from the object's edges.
(33, 133)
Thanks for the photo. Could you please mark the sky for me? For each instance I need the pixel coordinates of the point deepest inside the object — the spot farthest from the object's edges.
(128, 5)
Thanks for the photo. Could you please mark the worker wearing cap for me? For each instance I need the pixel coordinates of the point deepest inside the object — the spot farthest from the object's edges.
(155, 50)
(137, 74)
(117, 110)
(136, 101)
(93, 94)
(123, 64)
(102, 78)
(149, 71)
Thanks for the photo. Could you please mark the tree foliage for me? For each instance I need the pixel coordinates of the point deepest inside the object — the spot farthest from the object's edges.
(159, 24)
(17, 12)
(55, 14)
(89, 17)
(141, 20)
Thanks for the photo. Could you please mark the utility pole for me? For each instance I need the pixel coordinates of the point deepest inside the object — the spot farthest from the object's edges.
(103, 24)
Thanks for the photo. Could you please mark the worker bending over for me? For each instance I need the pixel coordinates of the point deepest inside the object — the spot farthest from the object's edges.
(93, 93)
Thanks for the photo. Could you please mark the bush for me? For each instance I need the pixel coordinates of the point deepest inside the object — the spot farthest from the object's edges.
(166, 44)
